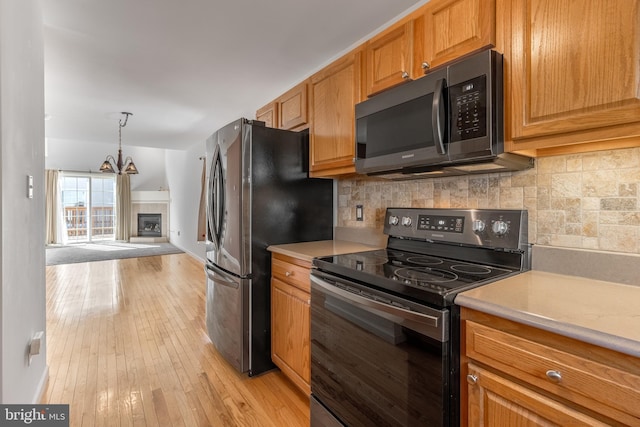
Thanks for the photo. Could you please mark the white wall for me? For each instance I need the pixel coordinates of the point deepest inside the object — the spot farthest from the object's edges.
(80, 156)
(184, 171)
(22, 259)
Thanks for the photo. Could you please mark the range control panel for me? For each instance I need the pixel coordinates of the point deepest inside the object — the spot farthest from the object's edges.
(502, 228)
(452, 224)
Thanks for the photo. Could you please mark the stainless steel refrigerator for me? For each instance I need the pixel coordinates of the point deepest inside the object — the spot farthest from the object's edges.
(258, 194)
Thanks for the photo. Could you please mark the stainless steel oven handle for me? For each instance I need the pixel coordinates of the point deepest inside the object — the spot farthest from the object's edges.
(426, 319)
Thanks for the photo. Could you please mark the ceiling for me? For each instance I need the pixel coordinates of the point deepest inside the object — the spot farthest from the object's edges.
(184, 68)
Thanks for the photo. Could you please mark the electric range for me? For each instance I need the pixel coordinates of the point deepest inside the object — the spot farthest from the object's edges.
(384, 324)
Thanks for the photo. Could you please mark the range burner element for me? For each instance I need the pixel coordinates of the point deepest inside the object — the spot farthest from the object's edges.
(471, 269)
(424, 260)
(424, 277)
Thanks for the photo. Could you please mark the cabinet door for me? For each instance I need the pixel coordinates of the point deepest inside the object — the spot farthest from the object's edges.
(452, 28)
(496, 401)
(389, 58)
(290, 336)
(334, 90)
(268, 114)
(293, 107)
(572, 71)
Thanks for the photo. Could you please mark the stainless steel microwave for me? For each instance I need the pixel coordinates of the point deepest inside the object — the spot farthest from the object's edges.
(448, 122)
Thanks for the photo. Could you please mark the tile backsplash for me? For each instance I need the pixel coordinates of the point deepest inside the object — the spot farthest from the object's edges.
(586, 201)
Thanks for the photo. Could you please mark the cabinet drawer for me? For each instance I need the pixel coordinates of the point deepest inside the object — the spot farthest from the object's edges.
(569, 375)
(290, 273)
(497, 401)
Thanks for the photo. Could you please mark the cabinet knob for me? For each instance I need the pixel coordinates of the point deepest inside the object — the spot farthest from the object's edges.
(554, 376)
(405, 75)
(472, 379)
(288, 273)
(425, 66)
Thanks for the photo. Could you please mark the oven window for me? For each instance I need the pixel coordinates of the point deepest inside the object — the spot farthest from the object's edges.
(370, 371)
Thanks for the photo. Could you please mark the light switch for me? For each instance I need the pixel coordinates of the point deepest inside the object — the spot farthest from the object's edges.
(30, 186)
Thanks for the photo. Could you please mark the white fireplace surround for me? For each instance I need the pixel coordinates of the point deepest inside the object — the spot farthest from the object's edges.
(149, 202)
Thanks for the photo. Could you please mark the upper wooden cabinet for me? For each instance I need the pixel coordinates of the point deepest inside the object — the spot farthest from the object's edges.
(268, 114)
(572, 74)
(448, 29)
(437, 33)
(389, 58)
(289, 111)
(293, 108)
(335, 90)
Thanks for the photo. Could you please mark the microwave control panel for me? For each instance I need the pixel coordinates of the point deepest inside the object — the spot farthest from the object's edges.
(469, 109)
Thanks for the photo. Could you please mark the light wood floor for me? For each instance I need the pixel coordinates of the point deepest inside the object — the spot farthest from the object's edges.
(127, 345)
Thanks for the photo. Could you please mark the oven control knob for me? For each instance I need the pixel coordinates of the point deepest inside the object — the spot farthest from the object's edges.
(406, 221)
(500, 228)
(393, 220)
(478, 226)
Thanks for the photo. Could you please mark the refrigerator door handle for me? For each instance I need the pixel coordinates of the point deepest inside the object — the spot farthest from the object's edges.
(216, 206)
(220, 277)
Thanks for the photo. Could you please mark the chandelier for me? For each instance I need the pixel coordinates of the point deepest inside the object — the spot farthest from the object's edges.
(127, 166)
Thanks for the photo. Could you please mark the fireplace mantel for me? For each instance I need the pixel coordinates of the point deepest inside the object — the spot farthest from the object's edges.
(160, 196)
(149, 202)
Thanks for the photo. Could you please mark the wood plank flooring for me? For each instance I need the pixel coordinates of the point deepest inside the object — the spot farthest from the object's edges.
(127, 346)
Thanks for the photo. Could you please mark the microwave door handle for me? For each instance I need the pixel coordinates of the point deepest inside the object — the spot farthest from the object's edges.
(438, 116)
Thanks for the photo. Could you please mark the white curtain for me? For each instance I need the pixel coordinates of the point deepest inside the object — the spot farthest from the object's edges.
(51, 206)
(123, 207)
(54, 216)
(202, 215)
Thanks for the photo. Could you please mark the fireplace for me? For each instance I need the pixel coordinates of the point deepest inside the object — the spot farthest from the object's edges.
(150, 224)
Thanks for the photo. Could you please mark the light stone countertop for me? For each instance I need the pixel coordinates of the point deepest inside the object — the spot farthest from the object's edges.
(598, 312)
(309, 250)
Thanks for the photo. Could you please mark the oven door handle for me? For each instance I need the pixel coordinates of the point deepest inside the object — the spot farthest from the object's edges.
(431, 323)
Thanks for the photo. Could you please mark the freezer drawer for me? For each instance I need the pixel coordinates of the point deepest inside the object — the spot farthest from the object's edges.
(228, 316)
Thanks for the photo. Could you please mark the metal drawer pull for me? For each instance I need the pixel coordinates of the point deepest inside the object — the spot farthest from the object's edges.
(554, 376)
(472, 379)
(288, 273)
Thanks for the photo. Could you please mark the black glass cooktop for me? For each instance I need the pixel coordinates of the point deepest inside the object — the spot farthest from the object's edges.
(423, 278)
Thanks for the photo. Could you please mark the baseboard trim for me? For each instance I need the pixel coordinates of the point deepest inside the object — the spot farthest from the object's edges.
(39, 394)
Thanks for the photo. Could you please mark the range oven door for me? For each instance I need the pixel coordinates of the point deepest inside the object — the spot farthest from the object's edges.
(374, 363)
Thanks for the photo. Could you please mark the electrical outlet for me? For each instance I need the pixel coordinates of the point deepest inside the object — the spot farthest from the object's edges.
(34, 344)
(359, 213)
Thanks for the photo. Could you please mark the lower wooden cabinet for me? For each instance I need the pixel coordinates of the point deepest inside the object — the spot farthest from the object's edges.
(496, 401)
(514, 374)
(290, 319)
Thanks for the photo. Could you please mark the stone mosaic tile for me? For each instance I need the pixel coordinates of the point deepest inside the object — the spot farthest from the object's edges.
(588, 201)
